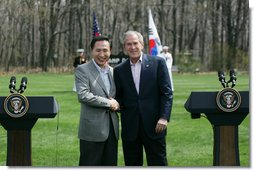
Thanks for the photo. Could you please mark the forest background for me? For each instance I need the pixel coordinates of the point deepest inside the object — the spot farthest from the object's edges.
(203, 35)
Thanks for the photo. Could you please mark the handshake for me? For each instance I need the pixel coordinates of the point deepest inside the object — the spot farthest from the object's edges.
(114, 105)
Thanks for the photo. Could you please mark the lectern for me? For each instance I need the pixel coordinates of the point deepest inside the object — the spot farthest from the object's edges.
(225, 124)
(19, 129)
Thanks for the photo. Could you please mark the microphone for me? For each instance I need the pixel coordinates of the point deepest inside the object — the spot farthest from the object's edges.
(222, 78)
(12, 84)
(232, 77)
(23, 85)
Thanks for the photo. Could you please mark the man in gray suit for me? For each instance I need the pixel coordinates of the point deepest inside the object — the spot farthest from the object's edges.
(98, 126)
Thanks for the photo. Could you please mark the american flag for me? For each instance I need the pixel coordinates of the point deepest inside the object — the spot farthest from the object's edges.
(96, 29)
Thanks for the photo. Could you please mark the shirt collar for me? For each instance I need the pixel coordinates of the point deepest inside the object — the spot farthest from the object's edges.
(139, 61)
(104, 70)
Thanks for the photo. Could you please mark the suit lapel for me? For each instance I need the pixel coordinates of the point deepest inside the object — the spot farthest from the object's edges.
(145, 68)
(128, 74)
(97, 77)
(112, 85)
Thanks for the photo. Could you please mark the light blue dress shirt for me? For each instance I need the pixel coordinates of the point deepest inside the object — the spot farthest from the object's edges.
(104, 73)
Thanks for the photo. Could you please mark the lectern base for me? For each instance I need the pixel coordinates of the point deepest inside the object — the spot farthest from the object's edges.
(226, 151)
(19, 148)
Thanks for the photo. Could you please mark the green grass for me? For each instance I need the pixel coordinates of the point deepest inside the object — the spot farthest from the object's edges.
(189, 141)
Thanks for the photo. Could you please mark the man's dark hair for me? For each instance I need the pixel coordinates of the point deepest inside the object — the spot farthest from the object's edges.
(98, 38)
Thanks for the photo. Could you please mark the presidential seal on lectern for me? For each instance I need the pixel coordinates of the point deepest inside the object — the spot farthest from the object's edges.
(16, 105)
(228, 99)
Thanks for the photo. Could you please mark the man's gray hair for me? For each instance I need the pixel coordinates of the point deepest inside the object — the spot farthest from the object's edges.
(131, 32)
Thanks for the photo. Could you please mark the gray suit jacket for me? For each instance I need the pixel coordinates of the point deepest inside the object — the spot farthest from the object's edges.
(95, 114)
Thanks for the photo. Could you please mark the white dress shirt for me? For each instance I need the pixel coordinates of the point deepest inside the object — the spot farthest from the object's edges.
(136, 70)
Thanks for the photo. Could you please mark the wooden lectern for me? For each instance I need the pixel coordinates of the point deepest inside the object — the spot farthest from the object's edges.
(19, 129)
(225, 124)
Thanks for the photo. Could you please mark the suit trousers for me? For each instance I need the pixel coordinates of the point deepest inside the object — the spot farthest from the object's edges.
(99, 153)
(155, 150)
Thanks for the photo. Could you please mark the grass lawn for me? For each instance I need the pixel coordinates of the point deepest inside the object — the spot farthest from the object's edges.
(189, 141)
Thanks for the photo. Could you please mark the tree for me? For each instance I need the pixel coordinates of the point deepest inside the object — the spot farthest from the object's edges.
(46, 33)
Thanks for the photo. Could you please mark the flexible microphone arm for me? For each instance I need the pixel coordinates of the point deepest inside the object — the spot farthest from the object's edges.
(222, 78)
(23, 85)
(12, 85)
(232, 77)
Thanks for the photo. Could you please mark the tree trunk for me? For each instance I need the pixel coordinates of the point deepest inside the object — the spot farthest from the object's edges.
(181, 26)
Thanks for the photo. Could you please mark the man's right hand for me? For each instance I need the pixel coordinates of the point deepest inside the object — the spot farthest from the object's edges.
(114, 105)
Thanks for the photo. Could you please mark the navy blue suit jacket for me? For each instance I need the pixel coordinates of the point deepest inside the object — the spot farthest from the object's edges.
(154, 100)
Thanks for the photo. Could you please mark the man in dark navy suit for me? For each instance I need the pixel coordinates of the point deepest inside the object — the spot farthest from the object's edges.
(144, 93)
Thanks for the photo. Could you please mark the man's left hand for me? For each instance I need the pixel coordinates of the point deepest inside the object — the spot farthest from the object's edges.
(161, 125)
